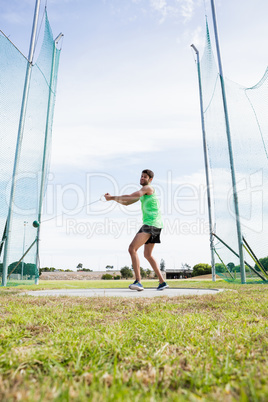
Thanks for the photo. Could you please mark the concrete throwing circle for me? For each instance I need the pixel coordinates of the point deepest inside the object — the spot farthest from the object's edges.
(170, 292)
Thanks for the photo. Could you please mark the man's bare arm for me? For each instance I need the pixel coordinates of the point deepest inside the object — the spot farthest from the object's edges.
(127, 199)
(124, 199)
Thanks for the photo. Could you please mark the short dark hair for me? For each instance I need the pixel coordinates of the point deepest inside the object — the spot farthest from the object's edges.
(149, 172)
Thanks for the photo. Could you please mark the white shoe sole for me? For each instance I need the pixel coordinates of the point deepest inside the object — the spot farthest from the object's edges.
(134, 287)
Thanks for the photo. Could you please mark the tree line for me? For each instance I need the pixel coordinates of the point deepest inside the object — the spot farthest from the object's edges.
(25, 267)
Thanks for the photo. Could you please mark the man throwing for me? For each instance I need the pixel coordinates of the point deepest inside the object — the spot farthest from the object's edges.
(149, 233)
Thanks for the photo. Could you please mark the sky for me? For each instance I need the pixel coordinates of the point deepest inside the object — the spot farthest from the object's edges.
(127, 99)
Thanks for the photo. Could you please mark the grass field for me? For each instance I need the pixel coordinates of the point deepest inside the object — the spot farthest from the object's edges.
(191, 348)
(151, 283)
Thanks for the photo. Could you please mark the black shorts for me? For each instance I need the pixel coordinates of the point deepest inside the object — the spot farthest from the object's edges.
(154, 232)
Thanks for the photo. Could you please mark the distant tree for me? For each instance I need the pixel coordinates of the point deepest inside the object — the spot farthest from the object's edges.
(44, 269)
(219, 268)
(143, 272)
(231, 266)
(148, 272)
(264, 262)
(28, 268)
(107, 276)
(236, 268)
(85, 270)
(126, 272)
(79, 266)
(162, 265)
(47, 269)
(185, 266)
(109, 267)
(201, 269)
(16, 270)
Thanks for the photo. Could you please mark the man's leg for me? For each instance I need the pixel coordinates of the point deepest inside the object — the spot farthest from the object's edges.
(137, 242)
(148, 249)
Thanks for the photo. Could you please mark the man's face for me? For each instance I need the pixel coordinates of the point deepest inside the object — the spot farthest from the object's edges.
(145, 179)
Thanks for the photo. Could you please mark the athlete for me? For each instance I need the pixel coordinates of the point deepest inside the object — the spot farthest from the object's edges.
(149, 233)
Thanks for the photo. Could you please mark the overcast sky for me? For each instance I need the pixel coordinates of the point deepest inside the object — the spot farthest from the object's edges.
(127, 99)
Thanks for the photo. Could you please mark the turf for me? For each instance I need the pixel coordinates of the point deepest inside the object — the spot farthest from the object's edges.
(191, 348)
(100, 284)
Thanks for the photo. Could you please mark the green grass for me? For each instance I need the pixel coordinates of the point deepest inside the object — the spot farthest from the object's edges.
(191, 348)
(80, 284)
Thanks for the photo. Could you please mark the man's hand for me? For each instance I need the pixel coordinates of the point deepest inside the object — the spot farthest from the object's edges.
(108, 197)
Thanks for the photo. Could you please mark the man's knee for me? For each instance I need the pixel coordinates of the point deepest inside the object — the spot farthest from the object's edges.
(147, 254)
(131, 249)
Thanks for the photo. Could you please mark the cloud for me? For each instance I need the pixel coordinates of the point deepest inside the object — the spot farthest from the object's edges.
(174, 8)
(187, 9)
(195, 36)
(110, 142)
(159, 5)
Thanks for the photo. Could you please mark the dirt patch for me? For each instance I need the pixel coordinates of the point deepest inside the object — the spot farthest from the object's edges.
(75, 276)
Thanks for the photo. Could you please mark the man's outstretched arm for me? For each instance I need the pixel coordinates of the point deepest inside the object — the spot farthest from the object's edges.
(126, 199)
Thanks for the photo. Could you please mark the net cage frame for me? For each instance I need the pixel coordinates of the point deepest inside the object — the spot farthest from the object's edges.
(254, 269)
(28, 147)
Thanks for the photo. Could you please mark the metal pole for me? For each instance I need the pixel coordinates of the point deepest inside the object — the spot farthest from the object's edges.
(237, 255)
(206, 167)
(44, 163)
(23, 250)
(19, 140)
(228, 132)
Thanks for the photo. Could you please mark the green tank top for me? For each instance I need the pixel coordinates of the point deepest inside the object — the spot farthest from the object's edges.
(151, 211)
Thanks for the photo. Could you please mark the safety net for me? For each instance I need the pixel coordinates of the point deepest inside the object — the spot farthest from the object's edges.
(247, 113)
(31, 157)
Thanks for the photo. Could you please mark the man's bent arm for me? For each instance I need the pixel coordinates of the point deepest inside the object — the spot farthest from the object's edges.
(126, 199)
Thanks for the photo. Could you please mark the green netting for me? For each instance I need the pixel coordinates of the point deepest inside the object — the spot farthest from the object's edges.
(247, 110)
(31, 167)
